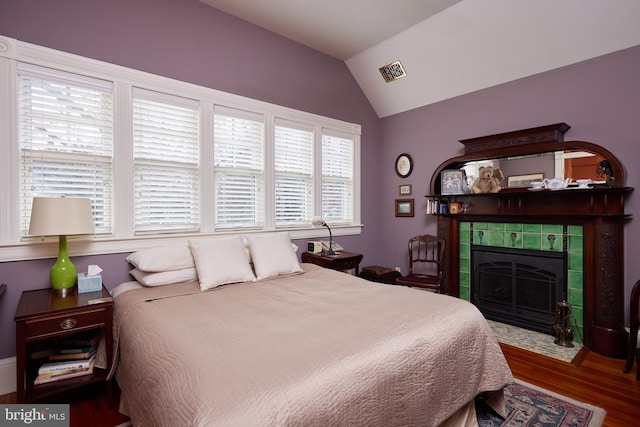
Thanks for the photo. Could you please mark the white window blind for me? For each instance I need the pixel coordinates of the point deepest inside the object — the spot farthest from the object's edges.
(337, 177)
(293, 169)
(238, 168)
(166, 141)
(66, 140)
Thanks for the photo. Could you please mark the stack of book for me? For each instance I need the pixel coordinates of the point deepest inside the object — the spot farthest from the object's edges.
(72, 357)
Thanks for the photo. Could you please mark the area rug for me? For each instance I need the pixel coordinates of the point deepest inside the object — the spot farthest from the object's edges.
(529, 405)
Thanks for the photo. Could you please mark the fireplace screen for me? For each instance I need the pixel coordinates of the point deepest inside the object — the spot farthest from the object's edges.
(517, 286)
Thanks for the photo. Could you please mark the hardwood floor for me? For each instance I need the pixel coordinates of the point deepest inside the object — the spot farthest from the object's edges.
(597, 380)
(89, 406)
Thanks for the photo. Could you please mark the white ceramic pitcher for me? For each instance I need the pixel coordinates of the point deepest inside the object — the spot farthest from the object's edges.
(556, 183)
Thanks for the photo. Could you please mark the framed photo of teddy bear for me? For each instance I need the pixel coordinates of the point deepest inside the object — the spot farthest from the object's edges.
(452, 181)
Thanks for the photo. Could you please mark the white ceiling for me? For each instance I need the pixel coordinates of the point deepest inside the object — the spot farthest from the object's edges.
(448, 47)
(339, 28)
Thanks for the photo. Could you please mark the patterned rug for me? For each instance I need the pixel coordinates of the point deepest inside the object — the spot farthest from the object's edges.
(529, 405)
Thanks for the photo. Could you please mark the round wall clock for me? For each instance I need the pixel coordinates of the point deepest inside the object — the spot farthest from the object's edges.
(404, 165)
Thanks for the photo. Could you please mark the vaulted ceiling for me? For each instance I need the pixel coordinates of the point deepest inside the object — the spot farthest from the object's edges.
(447, 47)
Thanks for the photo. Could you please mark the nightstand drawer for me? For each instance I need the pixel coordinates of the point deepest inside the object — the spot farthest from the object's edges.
(67, 322)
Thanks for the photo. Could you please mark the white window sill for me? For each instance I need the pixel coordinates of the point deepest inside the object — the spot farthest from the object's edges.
(48, 248)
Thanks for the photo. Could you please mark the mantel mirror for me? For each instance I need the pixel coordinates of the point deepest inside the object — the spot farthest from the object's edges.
(532, 155)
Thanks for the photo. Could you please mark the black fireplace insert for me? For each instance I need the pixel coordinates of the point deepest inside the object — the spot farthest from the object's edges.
(518, 286)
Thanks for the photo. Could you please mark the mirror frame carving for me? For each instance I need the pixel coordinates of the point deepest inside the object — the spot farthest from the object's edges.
(536, 140)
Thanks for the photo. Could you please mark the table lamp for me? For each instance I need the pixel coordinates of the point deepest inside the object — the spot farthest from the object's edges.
(319, 221)
(61, 216)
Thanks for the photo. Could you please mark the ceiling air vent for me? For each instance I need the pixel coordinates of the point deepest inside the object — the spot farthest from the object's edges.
(393, 71)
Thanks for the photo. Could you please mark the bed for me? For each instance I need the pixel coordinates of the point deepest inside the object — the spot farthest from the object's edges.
(313, 347)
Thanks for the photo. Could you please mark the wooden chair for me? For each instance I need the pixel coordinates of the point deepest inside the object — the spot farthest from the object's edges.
(634, 322)
(426, 257)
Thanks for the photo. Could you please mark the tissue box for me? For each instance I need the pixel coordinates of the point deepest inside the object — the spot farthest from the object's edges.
(89, 283)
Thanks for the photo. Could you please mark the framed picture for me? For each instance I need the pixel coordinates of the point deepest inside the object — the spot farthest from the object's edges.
(404, 207)
(523, 180)
(404, 165)
(404, 190)
(452, 181)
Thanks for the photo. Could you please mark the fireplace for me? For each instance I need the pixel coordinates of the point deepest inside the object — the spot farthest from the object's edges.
(598, 303)
(518, 286)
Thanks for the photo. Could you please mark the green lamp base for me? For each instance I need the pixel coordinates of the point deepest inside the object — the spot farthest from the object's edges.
(63, 274)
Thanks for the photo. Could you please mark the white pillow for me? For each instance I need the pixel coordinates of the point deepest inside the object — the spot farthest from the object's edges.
(272, 255)
(220, 261)
(164, 277)
(163, 258)
(294, 248)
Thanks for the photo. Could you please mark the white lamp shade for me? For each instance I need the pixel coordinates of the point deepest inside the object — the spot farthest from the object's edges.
(55, 216)
(316, 220)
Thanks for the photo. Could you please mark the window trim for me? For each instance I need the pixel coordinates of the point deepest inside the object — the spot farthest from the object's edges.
(13, 247)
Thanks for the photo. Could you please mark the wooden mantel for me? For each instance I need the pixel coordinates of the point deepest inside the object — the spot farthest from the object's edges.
(600, 210)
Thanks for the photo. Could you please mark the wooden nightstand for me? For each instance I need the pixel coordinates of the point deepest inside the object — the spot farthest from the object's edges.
(43, 316)
(341, 261)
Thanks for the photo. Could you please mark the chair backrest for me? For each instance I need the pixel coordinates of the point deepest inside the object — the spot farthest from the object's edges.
(634, 308)
(426, 254)
(634, 324)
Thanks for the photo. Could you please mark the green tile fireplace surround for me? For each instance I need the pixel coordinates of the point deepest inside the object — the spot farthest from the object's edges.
(589, 221)
(541, 237)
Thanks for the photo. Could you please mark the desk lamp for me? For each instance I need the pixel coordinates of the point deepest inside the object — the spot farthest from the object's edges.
(319, 221)
(61, 216)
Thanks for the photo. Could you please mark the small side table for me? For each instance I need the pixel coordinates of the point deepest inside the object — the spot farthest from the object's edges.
(41, 317)
(341, 261)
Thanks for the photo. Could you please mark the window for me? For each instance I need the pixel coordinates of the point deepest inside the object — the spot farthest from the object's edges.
(238, 168)
(162, 160)
(337, 177)
(293, 165)
(166, 141)
(66, 140)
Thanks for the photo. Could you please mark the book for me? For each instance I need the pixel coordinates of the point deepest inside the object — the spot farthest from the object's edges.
(52, 378)
(63, 375)
(72, 356)
(66, 365)
(78, 341)
(73, 350)
(82, 343)
(41, 354)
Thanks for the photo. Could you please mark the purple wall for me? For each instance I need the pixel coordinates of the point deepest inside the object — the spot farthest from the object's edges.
(599, 99)
(189, 41)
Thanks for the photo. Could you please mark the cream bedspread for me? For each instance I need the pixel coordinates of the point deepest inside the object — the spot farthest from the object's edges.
(317, 349)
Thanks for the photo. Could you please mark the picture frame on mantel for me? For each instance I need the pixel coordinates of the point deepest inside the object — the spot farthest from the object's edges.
(452, 181)
(404, 207)
(523, 180)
